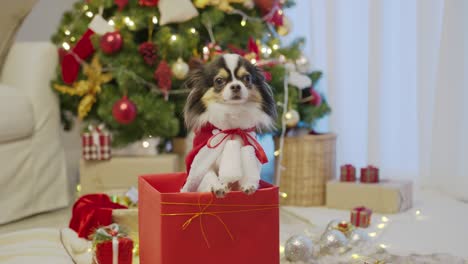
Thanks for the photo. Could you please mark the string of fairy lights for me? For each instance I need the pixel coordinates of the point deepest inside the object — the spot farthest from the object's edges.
(265, 50)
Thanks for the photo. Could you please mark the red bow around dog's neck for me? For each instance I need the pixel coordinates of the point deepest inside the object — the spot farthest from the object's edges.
(248, 140)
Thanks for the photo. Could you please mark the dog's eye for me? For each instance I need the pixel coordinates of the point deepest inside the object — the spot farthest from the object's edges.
(219, 81)
(246, 78)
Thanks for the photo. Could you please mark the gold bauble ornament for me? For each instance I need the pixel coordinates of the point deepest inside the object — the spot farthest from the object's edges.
(180, 69)
(291, 118)
(285, 28)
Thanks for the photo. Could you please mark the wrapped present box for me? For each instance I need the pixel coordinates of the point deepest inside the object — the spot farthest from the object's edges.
(348, 173)
(198, 227)
(369, 174)
(96, 144)
(121, 173)
(387, 196)
(112, 246)
(361, 216)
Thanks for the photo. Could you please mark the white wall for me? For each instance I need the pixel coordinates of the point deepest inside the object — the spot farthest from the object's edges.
(43, 20)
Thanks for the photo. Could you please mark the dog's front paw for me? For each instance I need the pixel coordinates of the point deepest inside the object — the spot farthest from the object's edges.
(249, 188)
(220, 190)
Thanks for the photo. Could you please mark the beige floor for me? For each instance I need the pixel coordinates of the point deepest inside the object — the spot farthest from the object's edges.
(56, 219)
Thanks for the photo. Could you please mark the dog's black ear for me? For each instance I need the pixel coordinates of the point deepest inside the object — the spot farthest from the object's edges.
(194, 78)
(268, 104)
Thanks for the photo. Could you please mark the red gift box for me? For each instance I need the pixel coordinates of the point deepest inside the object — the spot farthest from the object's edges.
(96, 145)
(116, 249)
(369, 174)
(195, 227)
(348, 173)
(360, 216)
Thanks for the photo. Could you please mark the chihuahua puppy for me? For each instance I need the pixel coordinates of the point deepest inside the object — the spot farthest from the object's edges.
(228, 103)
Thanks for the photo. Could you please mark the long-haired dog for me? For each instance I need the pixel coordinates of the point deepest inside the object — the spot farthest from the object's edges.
(229, 101)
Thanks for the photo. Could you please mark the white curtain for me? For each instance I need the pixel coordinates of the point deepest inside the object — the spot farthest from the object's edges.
(396, 78)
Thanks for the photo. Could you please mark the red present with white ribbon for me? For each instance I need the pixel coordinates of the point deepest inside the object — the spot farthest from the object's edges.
(361, 216)
(369, 174)
(112, 246)
(96, 144)
(348, 173)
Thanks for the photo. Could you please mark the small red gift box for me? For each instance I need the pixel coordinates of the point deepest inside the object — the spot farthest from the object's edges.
(116, 249)
(200, 228)
(360, 216)
(96, 144)
(348, 173)
(369, 174)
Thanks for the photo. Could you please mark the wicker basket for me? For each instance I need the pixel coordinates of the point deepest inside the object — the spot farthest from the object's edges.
(309, 162)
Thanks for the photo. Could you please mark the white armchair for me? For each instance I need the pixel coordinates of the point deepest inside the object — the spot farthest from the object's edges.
(33, 175)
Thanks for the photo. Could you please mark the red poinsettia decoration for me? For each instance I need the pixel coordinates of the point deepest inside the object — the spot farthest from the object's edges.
(148, 2)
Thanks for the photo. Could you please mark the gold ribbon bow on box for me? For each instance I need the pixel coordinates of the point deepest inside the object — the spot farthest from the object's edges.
(89, 88)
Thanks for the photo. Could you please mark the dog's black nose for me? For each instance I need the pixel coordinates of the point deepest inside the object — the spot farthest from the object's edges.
(235, 88)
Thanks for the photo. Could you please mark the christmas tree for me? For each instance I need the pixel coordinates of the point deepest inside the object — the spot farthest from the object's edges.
(123, 62)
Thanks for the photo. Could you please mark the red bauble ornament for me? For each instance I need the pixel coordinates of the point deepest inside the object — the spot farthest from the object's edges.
(111, 42)
(148, 2)
(316, 99)
(124, 111)
(148, 51)
(121, 4)
(163, 75)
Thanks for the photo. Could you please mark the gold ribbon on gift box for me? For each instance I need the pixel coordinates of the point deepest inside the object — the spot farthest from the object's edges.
(203, 211)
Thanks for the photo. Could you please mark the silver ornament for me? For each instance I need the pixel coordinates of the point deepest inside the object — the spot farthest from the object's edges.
(358, 237)
(298, 248)
(180, 69)
(333, 242)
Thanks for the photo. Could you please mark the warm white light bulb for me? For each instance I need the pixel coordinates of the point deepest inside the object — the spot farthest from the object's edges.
(193, 30)
(145, 144)
(66, 46)
(243, 22)
(384, 219)
(111, 22)
(253, 61)
(67, 32)
(155, 20)
(206, 50)
(173, 37)
(89, 14)
(275, 46)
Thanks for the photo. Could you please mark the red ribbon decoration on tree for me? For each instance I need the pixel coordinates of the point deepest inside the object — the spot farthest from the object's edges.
(70, 64)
